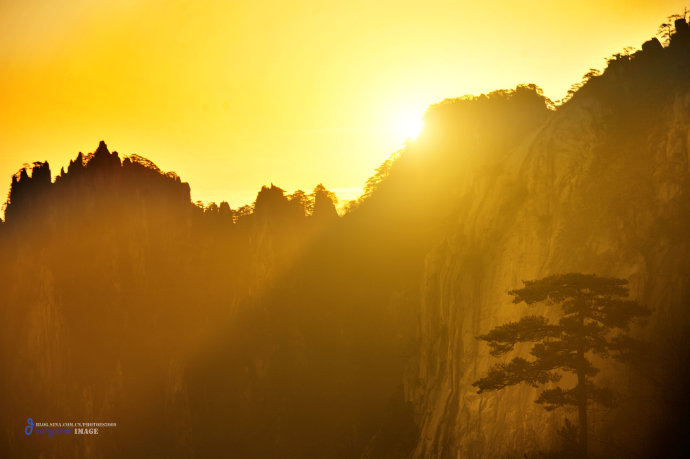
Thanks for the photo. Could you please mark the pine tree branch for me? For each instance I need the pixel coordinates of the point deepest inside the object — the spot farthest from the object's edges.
(557, 397)
(503, 338)
(517, 371)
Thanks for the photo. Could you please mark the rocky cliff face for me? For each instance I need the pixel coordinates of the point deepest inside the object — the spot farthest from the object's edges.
(112, 282)
(592, 190)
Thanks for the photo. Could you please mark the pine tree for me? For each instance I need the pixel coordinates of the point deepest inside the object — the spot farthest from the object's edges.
(595, 312)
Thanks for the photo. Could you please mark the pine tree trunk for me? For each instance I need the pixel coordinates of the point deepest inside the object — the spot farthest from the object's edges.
(582, 391)
(582, 414)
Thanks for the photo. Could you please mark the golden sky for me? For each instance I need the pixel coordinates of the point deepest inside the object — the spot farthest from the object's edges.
(232, 95)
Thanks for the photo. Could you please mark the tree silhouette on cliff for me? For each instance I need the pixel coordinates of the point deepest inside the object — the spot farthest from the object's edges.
(592, 308)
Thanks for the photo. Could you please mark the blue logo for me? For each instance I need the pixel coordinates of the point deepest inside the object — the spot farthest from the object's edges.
(30, 427)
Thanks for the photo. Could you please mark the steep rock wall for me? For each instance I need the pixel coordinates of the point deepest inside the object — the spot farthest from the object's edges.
(581, 195)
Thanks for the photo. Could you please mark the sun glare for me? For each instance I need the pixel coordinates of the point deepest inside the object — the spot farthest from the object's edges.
(407, 125)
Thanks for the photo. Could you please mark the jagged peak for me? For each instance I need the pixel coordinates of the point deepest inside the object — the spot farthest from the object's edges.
(135, 159)
(102, 148)
(39, 171)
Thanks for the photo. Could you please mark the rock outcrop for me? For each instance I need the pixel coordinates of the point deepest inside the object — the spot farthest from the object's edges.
(602, 186)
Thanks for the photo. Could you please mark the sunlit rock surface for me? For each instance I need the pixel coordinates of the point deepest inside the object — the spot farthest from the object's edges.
(593, 190)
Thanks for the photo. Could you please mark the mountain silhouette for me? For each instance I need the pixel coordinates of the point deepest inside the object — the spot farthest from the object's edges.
(282, 329)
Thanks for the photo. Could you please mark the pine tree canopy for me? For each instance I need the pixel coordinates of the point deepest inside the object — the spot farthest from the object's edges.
(594, 313)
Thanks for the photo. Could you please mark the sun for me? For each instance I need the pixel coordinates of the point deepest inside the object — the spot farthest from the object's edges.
(407, 125)
(412, 127)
